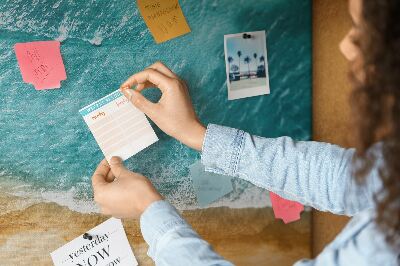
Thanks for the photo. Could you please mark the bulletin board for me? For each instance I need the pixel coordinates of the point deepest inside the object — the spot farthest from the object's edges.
(47, 151)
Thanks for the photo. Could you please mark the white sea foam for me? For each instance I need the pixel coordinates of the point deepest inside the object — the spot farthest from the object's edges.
(96, 40)
(183, 198)
(57, 4)
(63, 33)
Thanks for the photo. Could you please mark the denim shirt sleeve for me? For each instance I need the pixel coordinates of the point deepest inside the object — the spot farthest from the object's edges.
(172, 241)
(313, 173)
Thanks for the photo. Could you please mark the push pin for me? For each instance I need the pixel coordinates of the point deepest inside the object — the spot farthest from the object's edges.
(246, 36)
(87, 236)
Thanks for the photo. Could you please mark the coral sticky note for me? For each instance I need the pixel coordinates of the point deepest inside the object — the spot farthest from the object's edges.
(287, 210)
(41, 64)
(164, 18)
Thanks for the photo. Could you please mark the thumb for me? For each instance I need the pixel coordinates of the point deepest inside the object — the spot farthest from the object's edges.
(139, 101)
(117, 167)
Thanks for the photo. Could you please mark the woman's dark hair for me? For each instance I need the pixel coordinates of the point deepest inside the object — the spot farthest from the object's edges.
(376, 100)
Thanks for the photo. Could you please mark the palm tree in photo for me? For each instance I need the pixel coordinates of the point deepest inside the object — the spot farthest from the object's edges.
(239, 53)
(234, 68)
(230, 60)
(255, 60)
(247, 60)
(262, 59)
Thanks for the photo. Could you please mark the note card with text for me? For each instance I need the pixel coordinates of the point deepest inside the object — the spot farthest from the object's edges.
(164, 18)
(41, 64)
(118, 127)
(287, 210)
(107, 245)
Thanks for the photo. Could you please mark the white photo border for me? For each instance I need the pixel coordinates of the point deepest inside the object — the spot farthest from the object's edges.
(248, 92)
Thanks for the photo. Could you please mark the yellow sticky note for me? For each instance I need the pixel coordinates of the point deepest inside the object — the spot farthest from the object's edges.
(164, 18)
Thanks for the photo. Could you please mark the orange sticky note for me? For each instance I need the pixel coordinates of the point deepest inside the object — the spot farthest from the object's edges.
(287, 210)
(41, 64)
(164, 18)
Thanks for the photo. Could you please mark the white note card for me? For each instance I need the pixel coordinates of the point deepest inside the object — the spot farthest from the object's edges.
(119, 128)
(109, 247)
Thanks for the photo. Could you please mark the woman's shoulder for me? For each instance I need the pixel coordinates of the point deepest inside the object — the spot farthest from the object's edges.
(362, 242)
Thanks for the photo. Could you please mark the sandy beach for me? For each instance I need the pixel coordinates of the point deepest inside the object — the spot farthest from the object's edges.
(244, 236)
(248, 83)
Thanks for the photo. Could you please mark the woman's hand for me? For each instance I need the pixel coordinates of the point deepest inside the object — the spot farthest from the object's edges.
(174, 113)
(120, 192)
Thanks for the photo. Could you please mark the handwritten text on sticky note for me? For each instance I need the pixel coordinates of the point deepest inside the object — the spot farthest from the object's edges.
(287, 210)
(164, 18)
(41, 64)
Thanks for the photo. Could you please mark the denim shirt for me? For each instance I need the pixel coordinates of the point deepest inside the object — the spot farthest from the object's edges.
(312, 173)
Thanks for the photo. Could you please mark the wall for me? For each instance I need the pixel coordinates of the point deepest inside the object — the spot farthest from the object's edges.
(331, 91)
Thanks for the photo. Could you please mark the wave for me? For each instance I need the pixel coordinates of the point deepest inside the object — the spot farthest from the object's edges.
(183, 198)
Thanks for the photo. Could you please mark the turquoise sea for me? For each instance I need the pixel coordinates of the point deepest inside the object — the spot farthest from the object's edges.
(46, 149)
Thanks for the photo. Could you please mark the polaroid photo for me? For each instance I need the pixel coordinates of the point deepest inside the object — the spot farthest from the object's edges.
(246, 64)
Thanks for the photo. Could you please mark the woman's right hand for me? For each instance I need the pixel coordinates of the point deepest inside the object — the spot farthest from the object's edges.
(173, 113)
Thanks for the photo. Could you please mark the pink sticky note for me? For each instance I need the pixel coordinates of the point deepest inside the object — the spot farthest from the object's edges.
(287, 210)
(41, 64)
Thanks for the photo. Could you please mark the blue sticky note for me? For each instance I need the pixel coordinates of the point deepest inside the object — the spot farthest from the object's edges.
(209, 186)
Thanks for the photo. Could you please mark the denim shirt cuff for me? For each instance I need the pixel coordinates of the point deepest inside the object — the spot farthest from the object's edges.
(157, 220)
(221, 149)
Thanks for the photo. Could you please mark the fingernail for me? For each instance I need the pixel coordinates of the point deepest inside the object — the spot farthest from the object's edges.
(115, 160)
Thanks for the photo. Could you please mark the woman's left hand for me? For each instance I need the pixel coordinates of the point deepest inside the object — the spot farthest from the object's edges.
(120, 192)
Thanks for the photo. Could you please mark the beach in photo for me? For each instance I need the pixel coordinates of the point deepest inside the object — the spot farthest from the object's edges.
(246, 65)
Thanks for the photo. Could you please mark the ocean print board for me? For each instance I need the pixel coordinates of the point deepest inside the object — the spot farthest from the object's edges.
(110, 43)
(51, 154)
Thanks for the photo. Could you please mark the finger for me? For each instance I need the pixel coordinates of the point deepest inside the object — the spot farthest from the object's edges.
(142, 86)
(140, 102)
(139, 87)
(118, 168)
(160, 67)
(110, 177)
(105, 211)
(153, 76)
(100, 174)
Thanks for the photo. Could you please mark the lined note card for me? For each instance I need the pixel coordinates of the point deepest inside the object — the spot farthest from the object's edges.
(41, 64)
(164, 18)
(118, 127)
(108, 246)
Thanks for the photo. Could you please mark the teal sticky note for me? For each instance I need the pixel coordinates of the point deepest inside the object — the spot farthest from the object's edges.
(209, 186)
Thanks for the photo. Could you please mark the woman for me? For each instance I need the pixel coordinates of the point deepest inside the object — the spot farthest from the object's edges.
(363, 183)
